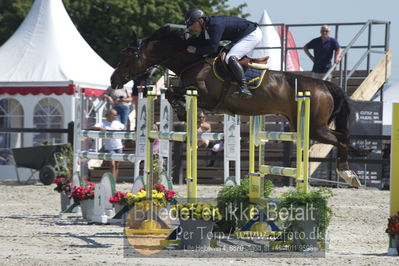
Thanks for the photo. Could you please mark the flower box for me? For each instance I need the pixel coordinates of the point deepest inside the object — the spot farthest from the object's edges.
(195, 234)
(65, 201)
(87, 207)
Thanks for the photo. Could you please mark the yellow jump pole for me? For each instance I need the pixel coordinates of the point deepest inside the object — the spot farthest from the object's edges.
(188, 145)
(194, 110)
(149, 145)
(262, 146)
(254, 178)
(394, 184)
(251, 145)
(306, 125)
(191, 172)
(299, 143)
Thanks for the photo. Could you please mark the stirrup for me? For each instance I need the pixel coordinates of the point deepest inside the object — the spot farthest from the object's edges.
(242, 95)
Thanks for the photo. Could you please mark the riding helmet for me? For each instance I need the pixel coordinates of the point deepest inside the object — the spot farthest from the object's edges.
(193, 15)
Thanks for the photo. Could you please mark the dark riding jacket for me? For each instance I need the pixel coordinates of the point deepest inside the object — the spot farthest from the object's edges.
(224, 28)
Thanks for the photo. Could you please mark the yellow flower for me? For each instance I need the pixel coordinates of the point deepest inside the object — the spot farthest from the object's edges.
(142, 193)
(185, 211)
(206, 213)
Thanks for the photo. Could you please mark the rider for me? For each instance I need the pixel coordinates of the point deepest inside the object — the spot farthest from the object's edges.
(244, 35)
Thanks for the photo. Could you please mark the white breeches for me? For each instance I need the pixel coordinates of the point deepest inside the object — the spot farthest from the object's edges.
(246, 45)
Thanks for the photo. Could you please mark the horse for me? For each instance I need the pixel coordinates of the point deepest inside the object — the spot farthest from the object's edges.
(276, 94)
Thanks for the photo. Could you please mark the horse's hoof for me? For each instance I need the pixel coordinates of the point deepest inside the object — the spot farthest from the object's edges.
(350, 177)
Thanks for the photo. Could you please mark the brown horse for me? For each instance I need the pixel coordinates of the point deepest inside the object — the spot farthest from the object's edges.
(276, 94)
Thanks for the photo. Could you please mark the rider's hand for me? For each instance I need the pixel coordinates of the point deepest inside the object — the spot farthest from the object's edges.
(191, 49)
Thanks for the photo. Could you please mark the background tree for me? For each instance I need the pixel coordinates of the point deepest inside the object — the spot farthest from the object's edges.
(107, 24)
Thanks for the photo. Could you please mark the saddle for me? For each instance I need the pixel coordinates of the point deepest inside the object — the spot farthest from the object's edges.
(258, 63)
(254, 68)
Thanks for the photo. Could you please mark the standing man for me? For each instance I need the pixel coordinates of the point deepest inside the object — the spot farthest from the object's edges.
(120, 100)
(111, 145)
(323, 49)
(244, 35)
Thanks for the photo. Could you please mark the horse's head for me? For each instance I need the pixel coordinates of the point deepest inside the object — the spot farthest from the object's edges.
(143, 54)
(129, 64)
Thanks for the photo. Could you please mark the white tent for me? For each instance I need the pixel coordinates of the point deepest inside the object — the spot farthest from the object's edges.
(42, 65)
(270, 39)
(47, 48)
(46, 59)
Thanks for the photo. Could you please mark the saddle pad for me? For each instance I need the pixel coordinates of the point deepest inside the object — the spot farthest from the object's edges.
(254, 76)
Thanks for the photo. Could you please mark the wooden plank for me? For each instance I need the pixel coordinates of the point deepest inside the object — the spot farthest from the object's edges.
(365, 92)
(375, 79)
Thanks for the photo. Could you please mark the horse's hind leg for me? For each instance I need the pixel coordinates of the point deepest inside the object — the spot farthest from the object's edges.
(352, 151)
(326, 135)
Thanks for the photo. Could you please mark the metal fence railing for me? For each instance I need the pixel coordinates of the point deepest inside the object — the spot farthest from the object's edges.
(362, 40)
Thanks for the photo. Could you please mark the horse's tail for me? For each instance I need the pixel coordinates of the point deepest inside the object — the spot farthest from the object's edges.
(340, 115)
(341, 110)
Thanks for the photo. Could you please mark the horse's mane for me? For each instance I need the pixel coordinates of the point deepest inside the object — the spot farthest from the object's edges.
(170, 42)
(166, 32)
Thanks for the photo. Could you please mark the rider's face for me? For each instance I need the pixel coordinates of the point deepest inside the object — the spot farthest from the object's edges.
(196, 27)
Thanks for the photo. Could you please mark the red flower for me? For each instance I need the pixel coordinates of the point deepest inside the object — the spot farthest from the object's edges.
(83, 193)
(159, 187)
(393, 225)
(63, 184)
(119, 197)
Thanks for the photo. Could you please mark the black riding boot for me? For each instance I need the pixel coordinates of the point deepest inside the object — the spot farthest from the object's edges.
(238, 72)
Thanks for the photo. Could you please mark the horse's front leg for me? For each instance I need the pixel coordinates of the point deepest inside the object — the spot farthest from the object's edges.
(200, 79)
(175, 99)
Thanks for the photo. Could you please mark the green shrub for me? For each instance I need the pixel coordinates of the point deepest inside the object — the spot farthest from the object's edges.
(236, 196)
(318, 198)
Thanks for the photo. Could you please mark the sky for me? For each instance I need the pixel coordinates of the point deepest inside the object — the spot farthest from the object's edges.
(337, 11)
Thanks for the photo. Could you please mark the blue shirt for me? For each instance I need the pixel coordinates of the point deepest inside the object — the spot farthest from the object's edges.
(323, 53)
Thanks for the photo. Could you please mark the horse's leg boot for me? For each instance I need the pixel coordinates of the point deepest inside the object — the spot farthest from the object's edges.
(348, 175)
(238, 73)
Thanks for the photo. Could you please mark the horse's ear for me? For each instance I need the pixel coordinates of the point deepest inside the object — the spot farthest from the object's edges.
(134, 42)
